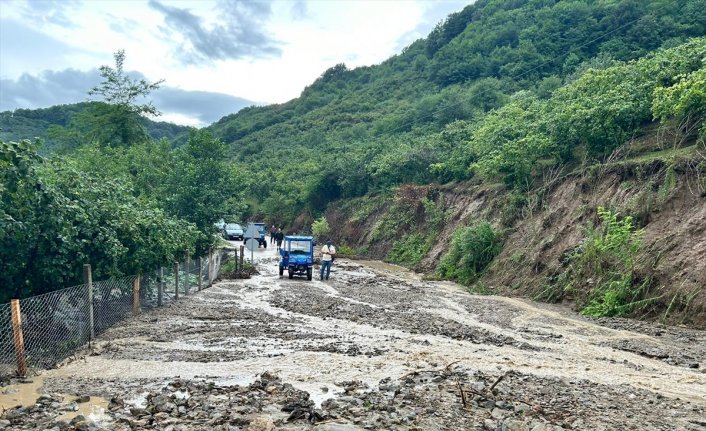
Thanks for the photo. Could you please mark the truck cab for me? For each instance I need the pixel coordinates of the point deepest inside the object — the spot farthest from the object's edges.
(297, 256)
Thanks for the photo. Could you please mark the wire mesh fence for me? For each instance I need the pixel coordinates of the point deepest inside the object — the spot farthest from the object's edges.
(56, 324)
(112, 302)
(7, 351)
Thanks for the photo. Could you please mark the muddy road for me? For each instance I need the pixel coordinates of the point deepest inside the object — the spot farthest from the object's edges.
(374, 347)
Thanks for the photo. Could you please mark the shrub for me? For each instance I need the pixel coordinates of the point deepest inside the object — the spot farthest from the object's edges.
(320, 228)
(604, 266)
(344, 250)
(471, 251)
(410, 250)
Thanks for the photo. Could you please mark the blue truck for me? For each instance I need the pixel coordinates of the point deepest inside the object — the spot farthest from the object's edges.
(261, 241)
(297, 256)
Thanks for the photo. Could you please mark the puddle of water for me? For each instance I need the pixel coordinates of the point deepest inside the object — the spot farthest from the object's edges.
(93, 410)
(241, 380)
(26, 394)
(389, 268)
(21, 394)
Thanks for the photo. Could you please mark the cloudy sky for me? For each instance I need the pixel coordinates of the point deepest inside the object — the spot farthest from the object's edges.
(215, 56)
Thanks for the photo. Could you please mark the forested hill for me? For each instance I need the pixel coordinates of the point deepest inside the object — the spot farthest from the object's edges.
(353, 131)
(47, 124)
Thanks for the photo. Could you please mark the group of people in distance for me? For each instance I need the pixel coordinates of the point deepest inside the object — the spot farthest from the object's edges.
(276, 236)
(328, 251)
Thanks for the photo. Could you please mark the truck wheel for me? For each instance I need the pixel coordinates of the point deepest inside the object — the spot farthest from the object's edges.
(291, 273)
(264, 244)
(281, 271)
(308, 274)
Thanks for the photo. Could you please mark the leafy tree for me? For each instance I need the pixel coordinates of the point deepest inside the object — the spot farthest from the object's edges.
(118, 121)
(320, 229)
(684, 102)
(55, 217)
(203, 186)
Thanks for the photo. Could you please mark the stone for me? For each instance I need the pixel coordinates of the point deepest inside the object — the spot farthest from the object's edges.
(490, 425)
(77, 419)
(137, 411)
(497, 413)
(16, 413)
(514, 425)
(63, 424)
(487, 404)
(83, 399)
(337, 427)
(166, 407)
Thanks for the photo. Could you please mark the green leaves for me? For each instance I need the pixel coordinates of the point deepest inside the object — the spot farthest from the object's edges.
(55, 217)
(120, 90)
(472, 249)
(603, 266)
(202, 186)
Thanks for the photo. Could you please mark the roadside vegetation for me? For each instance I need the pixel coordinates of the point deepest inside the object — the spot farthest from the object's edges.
(601, 273)
(472, 249)
(120, 201)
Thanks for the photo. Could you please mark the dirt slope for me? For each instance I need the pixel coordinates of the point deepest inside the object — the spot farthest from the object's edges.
(666, 197)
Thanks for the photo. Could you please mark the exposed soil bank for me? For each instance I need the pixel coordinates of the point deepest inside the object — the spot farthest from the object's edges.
(667, 197)
(374, 348)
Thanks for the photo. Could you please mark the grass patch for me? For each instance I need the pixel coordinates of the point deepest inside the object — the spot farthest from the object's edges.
(471, 251)
(410, 250)
(601, 272)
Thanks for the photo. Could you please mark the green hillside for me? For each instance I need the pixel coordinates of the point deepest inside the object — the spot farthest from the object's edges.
(366, 129)
(37, 123)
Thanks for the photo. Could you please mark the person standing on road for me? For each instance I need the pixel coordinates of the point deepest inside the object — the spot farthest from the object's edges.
(327, 253)
(279, 238)
(273, 234)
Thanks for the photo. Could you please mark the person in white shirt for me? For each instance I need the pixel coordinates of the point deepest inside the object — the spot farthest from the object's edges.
(327, 253)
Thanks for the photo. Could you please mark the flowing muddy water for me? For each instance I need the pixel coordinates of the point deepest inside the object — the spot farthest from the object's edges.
(378, 334)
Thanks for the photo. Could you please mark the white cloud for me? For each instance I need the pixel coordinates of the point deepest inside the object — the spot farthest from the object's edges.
(307, 37)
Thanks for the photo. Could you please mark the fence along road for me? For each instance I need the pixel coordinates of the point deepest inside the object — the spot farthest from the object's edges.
(46, 329)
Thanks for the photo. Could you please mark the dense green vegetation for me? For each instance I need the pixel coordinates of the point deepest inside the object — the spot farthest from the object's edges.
(120, 201)
(501, 89)
(96, 207)
(471, 251)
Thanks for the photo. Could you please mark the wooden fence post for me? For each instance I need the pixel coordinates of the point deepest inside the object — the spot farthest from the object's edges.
(160, 287)
(200, 273)
(176, 280)
(186, 275)
(19, 339)
(136, 296)
(88, 280)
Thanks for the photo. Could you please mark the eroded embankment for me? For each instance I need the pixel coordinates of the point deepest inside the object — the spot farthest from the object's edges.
(541, 229)
(377, 348)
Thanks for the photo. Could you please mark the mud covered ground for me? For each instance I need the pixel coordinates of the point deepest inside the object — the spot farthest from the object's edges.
(373, 348)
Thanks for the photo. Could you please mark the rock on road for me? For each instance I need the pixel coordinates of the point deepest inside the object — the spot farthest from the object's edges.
(375, 347)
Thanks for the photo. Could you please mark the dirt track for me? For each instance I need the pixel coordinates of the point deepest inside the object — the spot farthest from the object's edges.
(377, 348)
